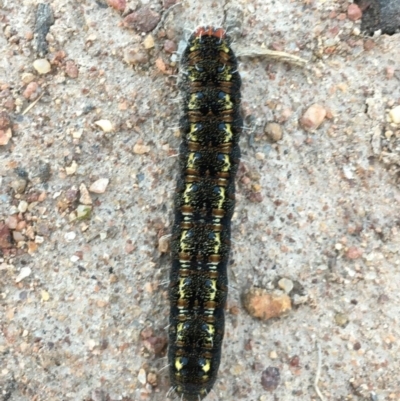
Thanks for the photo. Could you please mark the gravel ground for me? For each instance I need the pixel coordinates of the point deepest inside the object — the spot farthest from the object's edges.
(86, 200)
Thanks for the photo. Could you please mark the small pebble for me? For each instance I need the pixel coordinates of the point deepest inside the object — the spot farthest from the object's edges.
(23, 206)
(105, 125)
(152, 379)
(273, 131)
(163, 244)
(389, 73)
(83, 212)
(140, 149)
(91, 343)
(341, 319)
(270, 378)
(5, 136)
(354, 253)
(170, 46)
(313, 117)
(70, 236)
(354, 12)
(32, 91)
(17, 236)
(144, 20)
(286, 285)
(134, 56)
(142, 376)
(72, 168)
(118, 5)
(19, 185)
(84, 198)
(148, 42)
(394, 115)
(99, 186)
(45, 296)
(5, 236)
(27, 77)
(71, 69)
(42, 66)
(24, 273)
(273, 355)
(44, 172)
(12, 222)
(263, 305)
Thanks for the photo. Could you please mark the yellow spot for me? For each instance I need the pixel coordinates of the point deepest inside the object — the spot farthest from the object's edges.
(179, 332)
(226, 75)
(192, 105)
(207, 366)
(191, 160)
(187, 195)
(226, 101)
(224, 47)
(184, 246)
(178, 364)
(196, 45)
(192, 133)
(213, 292)
(182, 288)
(228, 132)
(221, 198)
(227, 164)
(218, 243)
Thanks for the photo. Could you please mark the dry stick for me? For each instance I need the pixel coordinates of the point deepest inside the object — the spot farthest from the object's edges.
(32, 104)
(318, 373)
(275, 55)
(164, 16)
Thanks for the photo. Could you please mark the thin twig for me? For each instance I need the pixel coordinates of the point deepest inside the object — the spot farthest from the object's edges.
(318, 372)
(275, 55)
(164, 16)
(32, 104)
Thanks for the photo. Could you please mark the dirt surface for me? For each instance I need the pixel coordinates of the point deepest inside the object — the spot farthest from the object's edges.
(84, 271)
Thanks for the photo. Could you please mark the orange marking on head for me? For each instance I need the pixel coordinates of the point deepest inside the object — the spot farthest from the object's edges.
(210, 31)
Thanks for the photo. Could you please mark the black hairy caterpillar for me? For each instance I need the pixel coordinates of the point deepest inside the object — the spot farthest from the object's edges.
(204, 204)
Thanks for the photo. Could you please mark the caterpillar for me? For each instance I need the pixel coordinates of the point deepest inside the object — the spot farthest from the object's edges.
(204, 202)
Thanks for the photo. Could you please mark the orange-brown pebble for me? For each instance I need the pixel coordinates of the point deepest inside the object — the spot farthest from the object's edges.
(170, 46)
(354, 12)
(163, 244)
(144, 19)
(152, 379)
(313, 117)
(32, 91)
(161, 65)
(354, 253)
(369, 44)
(261, 304)
(71, 69)
(5, 236)
(118, 5)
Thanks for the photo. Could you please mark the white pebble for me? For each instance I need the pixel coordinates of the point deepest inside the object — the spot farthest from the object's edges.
(39, 239)
(286, 285)
(70, 236)
(5, 136)
(42, 66)
(23, 206)
(394, 115)
(85, 198)
(105, 125)
(99, 186)
(313, 117)
(142, 376)
(72, 168)
(25, 272)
